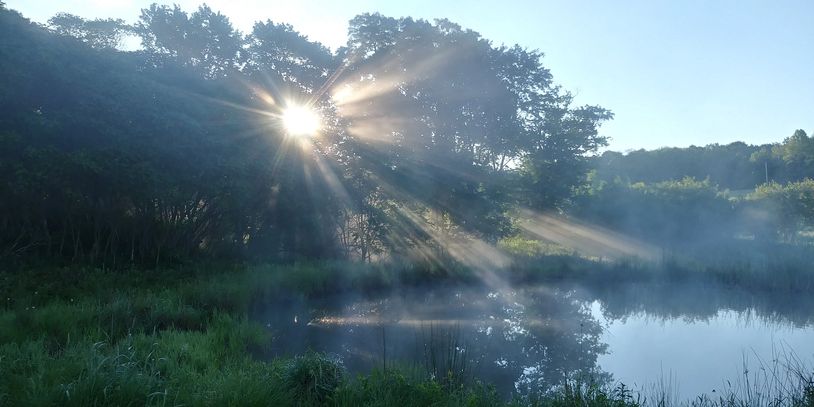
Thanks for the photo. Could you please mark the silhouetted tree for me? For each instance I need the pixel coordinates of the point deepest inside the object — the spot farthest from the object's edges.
(100, 33)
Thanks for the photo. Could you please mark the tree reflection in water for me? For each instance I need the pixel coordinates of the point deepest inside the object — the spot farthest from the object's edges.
(527, 340)
(523, 340)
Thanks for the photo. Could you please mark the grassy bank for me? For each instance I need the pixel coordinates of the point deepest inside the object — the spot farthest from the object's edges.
(181, 336)
(74, 336)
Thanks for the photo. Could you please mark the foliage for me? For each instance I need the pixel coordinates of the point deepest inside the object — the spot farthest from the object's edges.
(107, 162)
(452, 120)
(730, 166)
(784, 209)
(736, 166)
(579, 393)
(797, 155)
(104, 34)
(313, 378)
(172, 153)
(520, 246)
(670, 211)
(204, 40)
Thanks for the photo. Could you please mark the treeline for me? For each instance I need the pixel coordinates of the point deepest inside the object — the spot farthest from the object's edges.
(175, 151)
(430, 133)
(690, 212)
(735, 166)
(703, 195)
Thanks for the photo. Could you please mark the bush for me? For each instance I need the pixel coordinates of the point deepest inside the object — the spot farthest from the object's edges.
(313, 377)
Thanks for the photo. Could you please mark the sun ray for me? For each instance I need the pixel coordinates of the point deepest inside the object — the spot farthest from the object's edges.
(584, 238)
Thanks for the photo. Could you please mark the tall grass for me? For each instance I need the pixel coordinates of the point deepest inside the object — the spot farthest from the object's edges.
(784, 381)
(446, 358)
(313, 378)
(182, 337)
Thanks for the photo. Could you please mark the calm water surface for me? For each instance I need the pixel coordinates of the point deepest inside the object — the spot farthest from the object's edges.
(691, 338)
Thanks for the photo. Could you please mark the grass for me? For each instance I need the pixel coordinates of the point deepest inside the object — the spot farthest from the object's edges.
(444, 356)
(82, 336)
(169, 337)
(784, 381)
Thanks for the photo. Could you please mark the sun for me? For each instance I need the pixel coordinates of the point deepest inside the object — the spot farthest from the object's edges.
(301, 121)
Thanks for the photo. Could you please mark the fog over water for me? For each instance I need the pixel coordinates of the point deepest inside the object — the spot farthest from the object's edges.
(686, 339)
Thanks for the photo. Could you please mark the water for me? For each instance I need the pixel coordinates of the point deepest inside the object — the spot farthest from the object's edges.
(688, 339)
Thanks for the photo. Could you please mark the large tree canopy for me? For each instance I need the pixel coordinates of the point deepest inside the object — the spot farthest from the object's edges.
(454, 122)
(176, 150)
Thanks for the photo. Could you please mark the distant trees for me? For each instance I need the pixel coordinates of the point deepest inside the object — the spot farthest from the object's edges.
(730, 166)
(668, 211)
(692, 212)
(735, 166)
(782, 210)
(795, 156)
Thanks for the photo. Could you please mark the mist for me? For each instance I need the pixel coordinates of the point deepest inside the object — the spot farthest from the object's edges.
(419, 217)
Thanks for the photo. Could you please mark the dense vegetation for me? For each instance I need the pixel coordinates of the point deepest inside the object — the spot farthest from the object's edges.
(736, 166)
(150, 198)
(174, 152)
(704, 194)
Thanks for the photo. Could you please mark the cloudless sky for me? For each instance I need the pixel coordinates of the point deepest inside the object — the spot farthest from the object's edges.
(675, 73)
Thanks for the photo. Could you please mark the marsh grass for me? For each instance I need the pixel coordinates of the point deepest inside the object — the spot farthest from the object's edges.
(783, 381)
(446, 357)
(583, 393)
(159, 368)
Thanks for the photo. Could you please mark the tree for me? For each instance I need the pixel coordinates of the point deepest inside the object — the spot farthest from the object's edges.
(784, 209)
(283, 57)
(734, 166)
(163, 155)
(204, 40)
(797, 153)
(672, 212)
(450, 117)
(100, 33)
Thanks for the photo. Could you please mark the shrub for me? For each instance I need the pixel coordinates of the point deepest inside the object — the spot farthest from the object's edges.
(313, 377)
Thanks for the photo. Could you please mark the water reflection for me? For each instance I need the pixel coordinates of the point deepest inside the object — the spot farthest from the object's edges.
(519, 340)
(700, 339)
(699, 302)
(533, 338)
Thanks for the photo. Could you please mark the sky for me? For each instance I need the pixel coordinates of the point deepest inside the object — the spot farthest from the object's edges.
(675, 73)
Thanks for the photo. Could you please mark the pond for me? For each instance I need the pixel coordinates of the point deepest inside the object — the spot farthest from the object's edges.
(680, 340)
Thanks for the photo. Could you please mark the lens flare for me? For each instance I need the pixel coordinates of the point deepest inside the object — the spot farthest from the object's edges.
(301, 121)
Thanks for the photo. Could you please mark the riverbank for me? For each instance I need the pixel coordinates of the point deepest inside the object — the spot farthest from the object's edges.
(182, 336)
(91, 337)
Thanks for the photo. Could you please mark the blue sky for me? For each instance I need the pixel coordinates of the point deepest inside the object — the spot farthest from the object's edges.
(675, 73)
